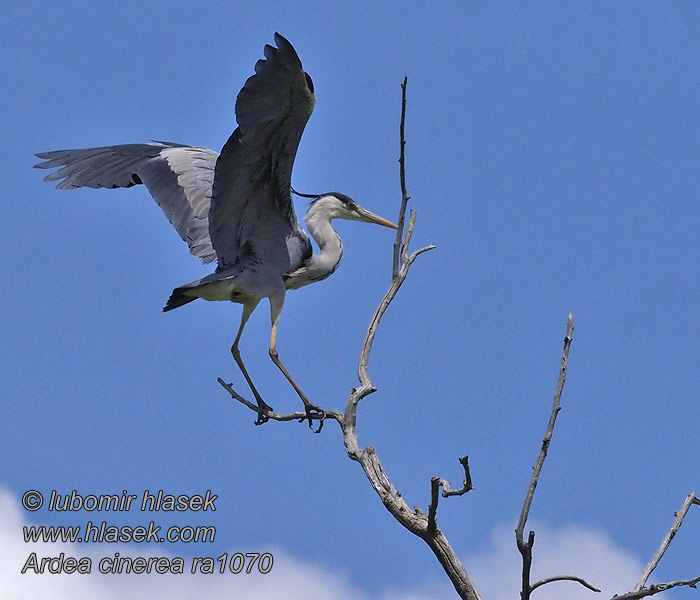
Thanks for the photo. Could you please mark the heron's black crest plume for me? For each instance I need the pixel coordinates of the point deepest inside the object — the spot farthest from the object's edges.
(345, 199)
(303, 195)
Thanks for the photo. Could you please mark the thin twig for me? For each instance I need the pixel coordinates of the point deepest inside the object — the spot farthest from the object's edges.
(405, 197)
(680, 515)
(546, 580)
(415, 254)
(525, 548)
(437, 482)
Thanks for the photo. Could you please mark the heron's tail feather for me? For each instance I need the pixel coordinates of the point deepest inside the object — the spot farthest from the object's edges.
(220, 285)
(177, 299)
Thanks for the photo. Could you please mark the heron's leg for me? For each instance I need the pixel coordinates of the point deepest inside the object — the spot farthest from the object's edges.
(312, 411)
(264, 408)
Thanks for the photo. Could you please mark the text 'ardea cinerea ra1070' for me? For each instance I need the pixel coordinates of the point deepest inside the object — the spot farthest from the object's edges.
(235, 207)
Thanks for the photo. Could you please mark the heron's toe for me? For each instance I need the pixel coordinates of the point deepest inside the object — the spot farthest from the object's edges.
(264, 410)
(314, 412)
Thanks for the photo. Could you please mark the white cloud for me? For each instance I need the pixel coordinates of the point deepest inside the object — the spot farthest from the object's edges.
(568, 551)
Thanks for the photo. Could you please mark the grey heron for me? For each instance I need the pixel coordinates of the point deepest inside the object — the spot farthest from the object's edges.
(235, 207)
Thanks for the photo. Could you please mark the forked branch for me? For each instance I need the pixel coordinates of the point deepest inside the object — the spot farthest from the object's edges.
(525, 547)
(438, 482)
(666, 542)
(640, 590)
(415, 520)
(657, 588)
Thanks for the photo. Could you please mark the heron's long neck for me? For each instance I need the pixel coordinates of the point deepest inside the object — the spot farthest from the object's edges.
(323, 264)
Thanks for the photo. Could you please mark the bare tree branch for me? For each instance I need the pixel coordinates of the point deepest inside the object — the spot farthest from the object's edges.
(405, 197)
(525, 548)
(665, 543)
(642, 592)
(467, 484)
(298, 415)
(657, 588)
(546, 580)
(437, 482)
(414, 520)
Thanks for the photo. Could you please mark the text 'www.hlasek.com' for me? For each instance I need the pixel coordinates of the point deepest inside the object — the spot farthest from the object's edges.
(96, 531)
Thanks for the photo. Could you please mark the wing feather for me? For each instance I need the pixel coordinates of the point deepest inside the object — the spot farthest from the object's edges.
(178, 177)
(252, 214)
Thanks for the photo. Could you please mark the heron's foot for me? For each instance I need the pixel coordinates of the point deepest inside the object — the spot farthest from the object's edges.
(264, 410)
(313, 412)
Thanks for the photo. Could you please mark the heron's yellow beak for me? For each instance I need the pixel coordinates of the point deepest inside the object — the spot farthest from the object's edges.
(369, 217)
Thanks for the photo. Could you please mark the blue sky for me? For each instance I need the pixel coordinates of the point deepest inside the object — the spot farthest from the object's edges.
(552, 159)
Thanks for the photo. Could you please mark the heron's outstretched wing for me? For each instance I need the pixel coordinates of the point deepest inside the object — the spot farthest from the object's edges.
(178, 177)
(252, 214)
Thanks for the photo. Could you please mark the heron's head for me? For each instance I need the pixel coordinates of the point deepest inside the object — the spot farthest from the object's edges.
(335, 205)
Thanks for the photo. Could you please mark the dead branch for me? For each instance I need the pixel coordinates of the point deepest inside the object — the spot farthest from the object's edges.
(437, 482)
(640, 591)
(525, 548)
(657, 588)
(295, 416)
(414, 520)
(580, 580)
(405, 197)
(666, 542)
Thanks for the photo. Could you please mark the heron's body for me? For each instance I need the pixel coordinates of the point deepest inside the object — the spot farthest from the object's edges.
(234, 207)
(255, 280)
